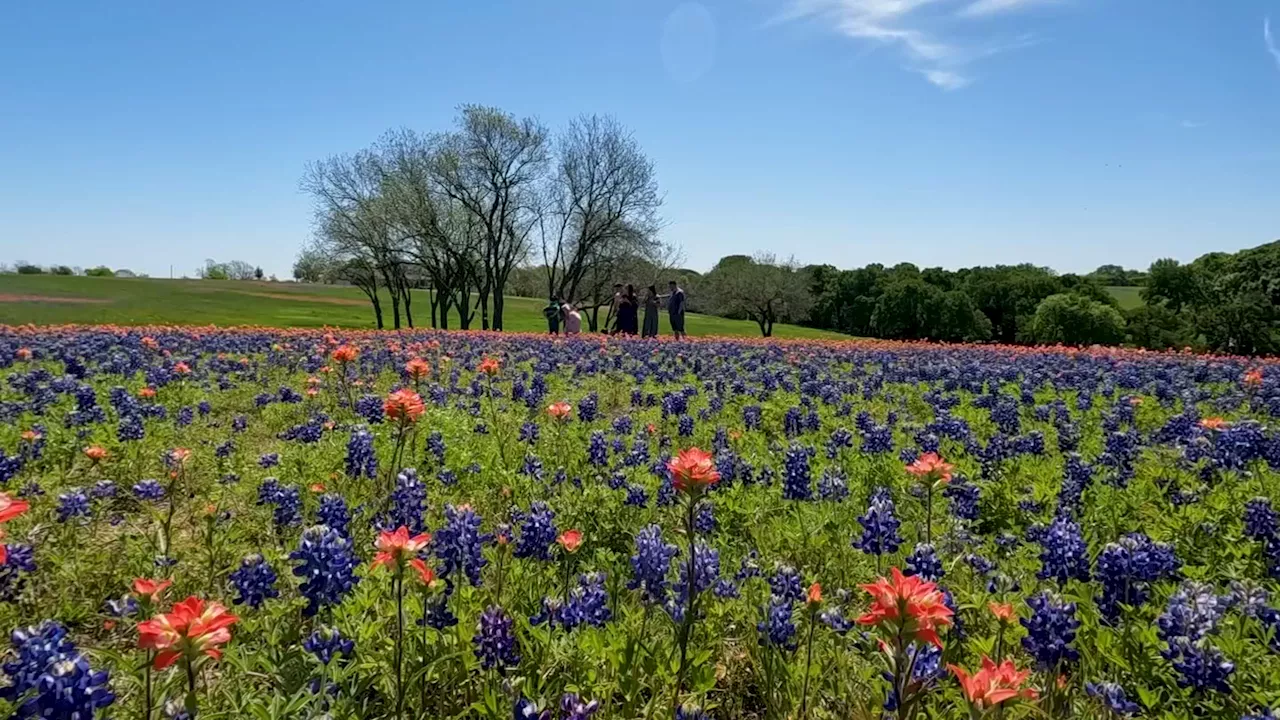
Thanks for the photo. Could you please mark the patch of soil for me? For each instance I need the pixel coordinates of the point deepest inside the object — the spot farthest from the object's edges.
(305, 298)
(12, 298)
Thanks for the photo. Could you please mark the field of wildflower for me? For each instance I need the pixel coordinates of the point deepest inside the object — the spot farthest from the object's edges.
(299, 524)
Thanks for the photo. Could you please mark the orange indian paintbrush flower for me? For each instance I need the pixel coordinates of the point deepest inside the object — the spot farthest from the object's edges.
(150, 589)
(489, 366)
(1003, 611)
(693, 470)
(345, 354)
(929, 465)
(192, 628)
(417, 368)
(570, 540)
(993, 684)
(560, 410)
(395, 546)
(403, 405)
(911, 604)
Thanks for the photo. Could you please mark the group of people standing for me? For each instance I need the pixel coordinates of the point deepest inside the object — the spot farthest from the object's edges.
(624, 312)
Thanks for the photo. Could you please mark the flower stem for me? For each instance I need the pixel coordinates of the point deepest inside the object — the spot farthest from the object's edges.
(808, 664)
(398, 581)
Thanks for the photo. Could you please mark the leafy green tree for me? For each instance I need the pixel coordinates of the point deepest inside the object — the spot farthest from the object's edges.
(1072, 319)
(760, 289)
(1173, 284)
(29, 269)
(1156, 327)
(61, 270)
(1242, 324)
(100, 271)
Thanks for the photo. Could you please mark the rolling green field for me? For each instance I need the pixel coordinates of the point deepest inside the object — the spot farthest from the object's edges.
(1128, 297)
(51, 299)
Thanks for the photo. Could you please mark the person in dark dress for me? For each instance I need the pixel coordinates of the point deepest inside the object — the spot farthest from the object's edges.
(629, 312)
(650, 313)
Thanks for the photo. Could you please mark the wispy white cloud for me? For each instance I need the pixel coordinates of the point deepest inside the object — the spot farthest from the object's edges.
(981, 8)
(946, 79)
(1271, 45)
(1192, 124)
(917, 28)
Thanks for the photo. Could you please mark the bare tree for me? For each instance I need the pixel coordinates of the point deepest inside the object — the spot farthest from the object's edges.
(600, 205)
(490, 166)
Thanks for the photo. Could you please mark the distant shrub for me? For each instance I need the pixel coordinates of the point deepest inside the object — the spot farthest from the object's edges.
(29, 269)
(61, 270)
(100, 271)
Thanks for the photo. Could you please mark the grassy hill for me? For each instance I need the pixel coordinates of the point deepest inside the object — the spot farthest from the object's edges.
(52, 299)
(1128, 297)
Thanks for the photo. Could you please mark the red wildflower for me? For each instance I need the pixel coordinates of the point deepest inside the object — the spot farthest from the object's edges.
(149, 342)
(95, 453)
(147, 392)
(930, 466)
(1003, 611)
(993, 684)
(1253, 377)
(417, 368)
(182, 368)
(179, 456)
(394, 546)
(560, 410)
(911, 603)
(693, 470)
(570, 540)
(1213, 423)
(30, 435)
(317, 487)
(193, 628)
(345, 354)
(404, 405)
(150, 589)
(489, 366)
(425, 575)
(11, 507)
(815, 595)
(22, 353)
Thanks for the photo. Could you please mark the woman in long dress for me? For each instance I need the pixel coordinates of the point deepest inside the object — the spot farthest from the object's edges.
(628, 312)
(650, 313)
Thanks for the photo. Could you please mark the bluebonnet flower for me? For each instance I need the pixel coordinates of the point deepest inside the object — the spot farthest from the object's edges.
(370, 408)
(704, 521)
(149, 490)
(637, 496)
(204, 408)
(532, 467)
(923, 561)
(126, 606)
(407, 503)
(103, 490)
(926, 668)
(963, 496)
(1050, 631)
(1063, 553)
(130, 428)
(840, 439)
(877, 439)
(50, 678)
(588, 408)
(651, 564)
(225, 449)
(666, 492)
(1113, 698)
(752, 417)
(691, 712)
(268, 490)
(326, 564)
(436, 447)
(255, 581)
(833, 486)
(778, 628)
(361, 460)
(529, 433)
(1264, 714)
(1260, 520)
(706, 570)
(21, 561)
(537, 532)
(333, 512)
(879, 526)
(288, 507)
(239, 423)
(448, 478)
(495, 640)
(1126, 568)
(1200, 666)
(573, 707)
(436, 614)
(72, 504)
(796, 479)
(458, 544)
(308, 432)
(524, 709)
(785, 583)
(184, 417)
(597, 449)
(1193, 612)
(326, 643)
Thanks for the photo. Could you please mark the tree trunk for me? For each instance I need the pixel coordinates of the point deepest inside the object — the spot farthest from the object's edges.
(395, 304)
(497, 310)
(483, 303)
(434, 299)
(444, 301)
(408, 300)
(377, 309)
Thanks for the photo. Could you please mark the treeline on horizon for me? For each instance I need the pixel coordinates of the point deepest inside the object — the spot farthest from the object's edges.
(1221, 302)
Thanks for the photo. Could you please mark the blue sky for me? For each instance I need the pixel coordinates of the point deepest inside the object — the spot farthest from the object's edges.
(1068, 133)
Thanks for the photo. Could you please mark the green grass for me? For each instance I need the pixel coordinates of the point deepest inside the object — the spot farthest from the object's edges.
(50, 299)
(1128, 297)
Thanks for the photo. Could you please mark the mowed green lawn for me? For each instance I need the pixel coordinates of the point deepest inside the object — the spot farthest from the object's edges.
(51, 299)
(1128, 297)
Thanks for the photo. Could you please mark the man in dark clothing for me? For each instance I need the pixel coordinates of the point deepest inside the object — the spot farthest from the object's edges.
(552, 312)
(675, 309)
